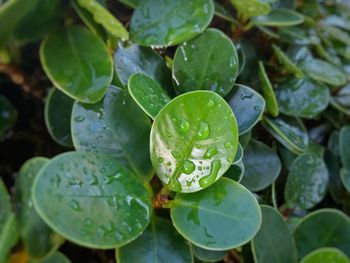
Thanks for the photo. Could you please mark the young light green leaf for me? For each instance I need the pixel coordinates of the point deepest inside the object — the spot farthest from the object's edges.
(160, 242)
(8, 116)
(307, 181)
(92, 200)
(279, 18)
(247, 105)
(302, 97)
(208, 62)
(326, 254)
(221, 217)
(58, 112)
(194, 139)
(274, 241)
(78, 63)
(38, 239)
(103, 17)
(289, 131)
(249, 8)
(323, 71)
(268, 92)
(323, 228)
(148, 94)
(262, 166)
(163, 23)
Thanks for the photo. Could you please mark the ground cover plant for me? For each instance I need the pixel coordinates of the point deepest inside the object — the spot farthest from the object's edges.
(174, 131)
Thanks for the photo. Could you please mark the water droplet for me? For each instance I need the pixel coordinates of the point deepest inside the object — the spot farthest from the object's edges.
(183, 51)
(188, 167)
(168, 163)
(88, 222)
(74, 204)
(176, 154)
(210, 152)
(203, 131)
(227, 144)
(160, 159)
(93, 180)
(209, 179)
(211, 103)
(79, 118)
(184, 126)
(111, 178)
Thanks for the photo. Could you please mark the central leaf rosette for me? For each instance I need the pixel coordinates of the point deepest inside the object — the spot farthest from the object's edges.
(194, 140)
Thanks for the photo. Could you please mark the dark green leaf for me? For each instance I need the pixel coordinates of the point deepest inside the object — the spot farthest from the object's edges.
(345, 178)
(78, 63)
(194, 140)
(344, 143)
(164, 23)
(247, 105)
(323, 228)
(208, 62)
(206, 255)
(92, 200)
(160, 242)
(279, 18)
(289, 131)
(302, 97)
(262, 166)
(274, 241)
(220, 217)
(56, 257)
(287, 64)
(58, 112)
(235, 172)
(38, 239)
(148, 94)
(298, 35)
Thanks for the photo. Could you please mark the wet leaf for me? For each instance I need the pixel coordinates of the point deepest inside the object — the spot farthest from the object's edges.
(250, 8)
(262, 166)
(38, 239)
(274, 241)
(160, 242)
(208, 62)
(323, 228)
(103, 17)
(92, 200)
(148, 94)
(327, 254)
(86, 70)
(302, 97)
(58, 112)
(220, 217)
(247, 105)
(168, 23)
(307, 181)
(268, 92)
(191, 147)
(289, 131)
(279, 18)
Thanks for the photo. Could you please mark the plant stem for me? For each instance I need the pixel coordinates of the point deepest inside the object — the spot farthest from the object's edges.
(161, 199)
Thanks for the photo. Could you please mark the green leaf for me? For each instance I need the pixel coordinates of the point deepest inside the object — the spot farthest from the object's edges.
(40, 19)
(92, 200)
(206, 255)
(345, 178)
(116, 127)
(323, 228)
(274, 241)
(194, 140)
(268, 92)
(220, 217)
(8, 224)
(289, 131)
(307, 181)
(208, 62)
(298, 35)
(239, 154)
(344, 142)
(340, 101)
(279, 18)
(236, 172)
(303, 97)
(148, 94)
(133, 59)
(262, 166)
(221, 12)
(58, 112)
(103, 17)
(327, 254)
(8, 116)
(78, 63)
(287, 64)
(168, 23)
(159, 243)
(249, 8)
(323, 71)
(131, 3)
(56, 257)
(247, 105)
(38, 239)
